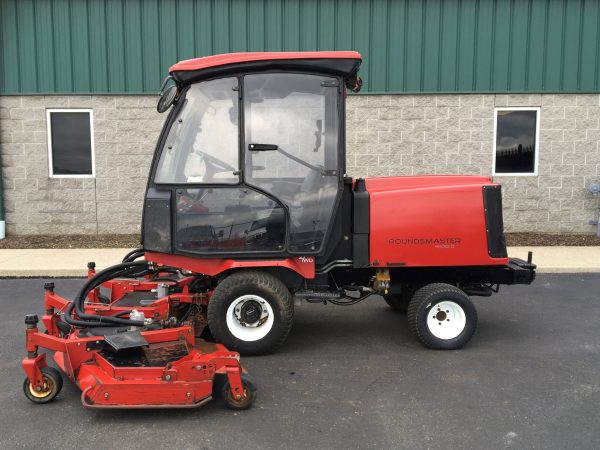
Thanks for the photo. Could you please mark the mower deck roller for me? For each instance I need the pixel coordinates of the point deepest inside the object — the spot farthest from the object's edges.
(155, 362)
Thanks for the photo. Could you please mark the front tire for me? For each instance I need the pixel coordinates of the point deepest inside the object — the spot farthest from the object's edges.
(442, 317)
(251, 312)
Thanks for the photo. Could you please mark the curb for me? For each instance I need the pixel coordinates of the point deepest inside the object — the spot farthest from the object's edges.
(40, 263)
(561, 259)
(56, 262)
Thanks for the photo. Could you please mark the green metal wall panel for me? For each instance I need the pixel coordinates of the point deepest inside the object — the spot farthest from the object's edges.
(126, 46)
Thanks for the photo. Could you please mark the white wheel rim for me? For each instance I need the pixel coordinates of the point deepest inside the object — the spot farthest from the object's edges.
(446, 320)
(243, 329)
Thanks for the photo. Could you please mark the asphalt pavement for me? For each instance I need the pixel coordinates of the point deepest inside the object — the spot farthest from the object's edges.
(353, 377)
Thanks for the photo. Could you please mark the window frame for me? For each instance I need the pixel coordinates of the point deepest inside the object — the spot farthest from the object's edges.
(49, 111)
(537, 109)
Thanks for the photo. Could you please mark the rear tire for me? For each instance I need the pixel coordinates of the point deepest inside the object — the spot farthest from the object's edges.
(442, 317)
(251, 312)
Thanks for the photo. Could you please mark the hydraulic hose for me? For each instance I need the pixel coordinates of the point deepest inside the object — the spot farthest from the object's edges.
(124, 269)
(133, 255)
(86, 323)
(187, 314)
(82, 323)
(130, 269)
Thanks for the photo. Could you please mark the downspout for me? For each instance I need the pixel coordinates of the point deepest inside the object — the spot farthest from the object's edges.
(2, 222)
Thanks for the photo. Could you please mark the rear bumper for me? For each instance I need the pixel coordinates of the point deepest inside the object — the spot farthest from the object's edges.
(520, 271)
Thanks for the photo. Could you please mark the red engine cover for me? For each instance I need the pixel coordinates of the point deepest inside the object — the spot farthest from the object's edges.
(428, 221)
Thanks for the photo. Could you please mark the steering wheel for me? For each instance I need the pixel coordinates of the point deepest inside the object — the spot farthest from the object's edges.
(188, 201)
(299, 161)
(222, 165)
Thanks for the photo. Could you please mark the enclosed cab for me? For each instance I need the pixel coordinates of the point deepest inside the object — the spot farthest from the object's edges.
(248, 189)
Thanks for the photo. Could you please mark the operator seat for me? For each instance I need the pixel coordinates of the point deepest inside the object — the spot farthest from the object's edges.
(275, 226)
(306, 199)
(307, 210)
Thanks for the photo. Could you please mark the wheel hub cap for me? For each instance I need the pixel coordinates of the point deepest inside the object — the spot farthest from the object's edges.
(250, 312)
(41, 392)
(250, 318)
(446, 320)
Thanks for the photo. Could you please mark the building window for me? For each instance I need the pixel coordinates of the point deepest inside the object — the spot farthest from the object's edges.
(70, 143)
(516, 141)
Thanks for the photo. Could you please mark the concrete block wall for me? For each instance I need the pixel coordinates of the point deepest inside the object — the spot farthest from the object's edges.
(451, 134)
(386, 135)
(125, 132)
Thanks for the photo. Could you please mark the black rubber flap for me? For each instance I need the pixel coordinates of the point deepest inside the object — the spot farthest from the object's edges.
(157, 221)
(492, 203)
(128, 339)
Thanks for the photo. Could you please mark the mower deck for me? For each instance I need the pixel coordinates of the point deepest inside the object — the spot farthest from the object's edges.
(162, 365)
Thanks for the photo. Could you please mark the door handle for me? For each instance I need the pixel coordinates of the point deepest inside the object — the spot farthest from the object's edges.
(262, 147)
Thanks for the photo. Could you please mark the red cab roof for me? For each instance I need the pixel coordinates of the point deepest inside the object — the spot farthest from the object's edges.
(233, 58)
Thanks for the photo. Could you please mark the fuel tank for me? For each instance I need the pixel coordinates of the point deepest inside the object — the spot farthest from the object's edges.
(440, 220)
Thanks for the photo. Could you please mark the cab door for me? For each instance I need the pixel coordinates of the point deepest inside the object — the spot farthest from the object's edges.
(196, 202)
(291, 150)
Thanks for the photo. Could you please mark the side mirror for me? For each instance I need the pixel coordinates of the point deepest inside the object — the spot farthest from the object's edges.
(167, 98)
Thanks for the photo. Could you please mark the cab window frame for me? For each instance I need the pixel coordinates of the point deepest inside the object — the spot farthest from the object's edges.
(174, 186)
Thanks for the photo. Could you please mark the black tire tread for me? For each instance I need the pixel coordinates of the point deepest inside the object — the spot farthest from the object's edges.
(52, 373)
(422, 296)
(399, 302)
(263, 280)
(232, 404)
(396, 302)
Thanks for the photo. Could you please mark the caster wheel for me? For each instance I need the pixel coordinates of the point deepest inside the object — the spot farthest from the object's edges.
(247, 399)
(53, 383)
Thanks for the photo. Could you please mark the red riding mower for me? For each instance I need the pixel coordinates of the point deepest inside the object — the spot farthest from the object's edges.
(249, 208)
